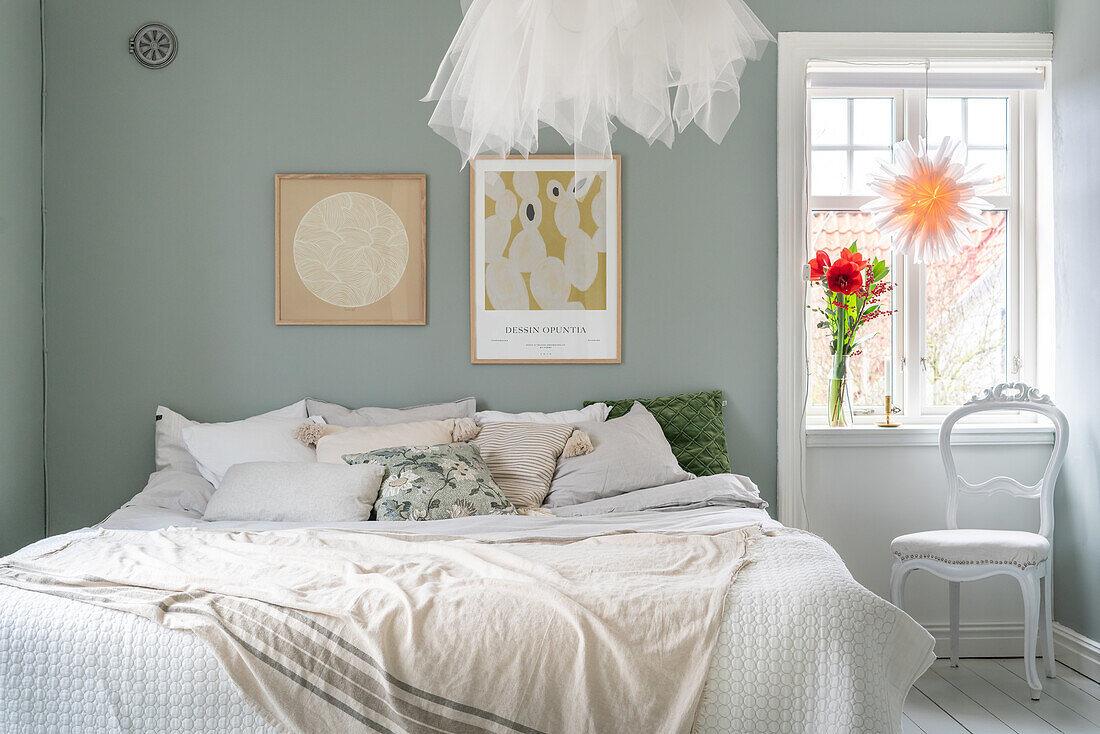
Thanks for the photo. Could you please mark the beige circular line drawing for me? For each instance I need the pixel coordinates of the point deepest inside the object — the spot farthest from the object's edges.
(351, 249)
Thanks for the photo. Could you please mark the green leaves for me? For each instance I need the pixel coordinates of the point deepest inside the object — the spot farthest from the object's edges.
(879, 269)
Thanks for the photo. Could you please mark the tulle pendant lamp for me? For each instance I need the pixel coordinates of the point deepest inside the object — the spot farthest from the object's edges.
(927, 200)
(583, 66)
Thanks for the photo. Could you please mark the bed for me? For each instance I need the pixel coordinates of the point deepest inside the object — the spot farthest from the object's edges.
(800, 646)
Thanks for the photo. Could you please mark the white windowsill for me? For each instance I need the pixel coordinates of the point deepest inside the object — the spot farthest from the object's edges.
(929, 435)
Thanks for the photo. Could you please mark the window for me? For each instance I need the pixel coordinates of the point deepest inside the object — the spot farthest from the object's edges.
(959, 325)
(865, 85)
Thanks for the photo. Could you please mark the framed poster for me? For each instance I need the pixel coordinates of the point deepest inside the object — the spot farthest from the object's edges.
(349, 249)
(545, 260)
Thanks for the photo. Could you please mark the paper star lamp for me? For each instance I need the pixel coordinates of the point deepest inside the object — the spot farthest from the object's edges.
(927, 201)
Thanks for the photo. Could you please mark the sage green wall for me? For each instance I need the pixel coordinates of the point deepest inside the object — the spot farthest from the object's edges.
(21, 499)
(1077, 181)
(160, 241)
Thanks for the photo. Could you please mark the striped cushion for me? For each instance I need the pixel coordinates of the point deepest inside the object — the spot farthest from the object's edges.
(522, 457)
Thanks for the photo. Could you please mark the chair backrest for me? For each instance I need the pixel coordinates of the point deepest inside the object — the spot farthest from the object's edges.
(1014, 396)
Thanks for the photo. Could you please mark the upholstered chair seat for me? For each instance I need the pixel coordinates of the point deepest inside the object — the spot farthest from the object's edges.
(970, 554)
(974, 547)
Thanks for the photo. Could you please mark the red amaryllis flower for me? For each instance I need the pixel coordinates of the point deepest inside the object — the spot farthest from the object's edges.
(819, 265)
(853, 257)
(844, 277)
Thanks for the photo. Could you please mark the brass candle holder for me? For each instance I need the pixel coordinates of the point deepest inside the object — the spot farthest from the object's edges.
(889, 422)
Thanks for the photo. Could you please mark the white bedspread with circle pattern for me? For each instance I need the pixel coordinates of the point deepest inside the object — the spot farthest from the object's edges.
(803, 648)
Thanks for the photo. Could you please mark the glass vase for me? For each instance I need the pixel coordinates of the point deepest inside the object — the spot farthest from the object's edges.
(840, 403)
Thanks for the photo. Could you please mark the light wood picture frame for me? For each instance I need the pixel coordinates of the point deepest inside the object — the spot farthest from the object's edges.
(350, 249)
(545, 260)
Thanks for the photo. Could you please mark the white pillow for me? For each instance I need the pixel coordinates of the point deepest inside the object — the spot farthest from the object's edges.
(363, 439)
(296, 492)
(338, 415)
(628, 453)
(218, 446)
(172, 453)
(172, 489)
(594, 412)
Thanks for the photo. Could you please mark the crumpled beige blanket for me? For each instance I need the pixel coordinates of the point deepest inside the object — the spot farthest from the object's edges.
(340, 630)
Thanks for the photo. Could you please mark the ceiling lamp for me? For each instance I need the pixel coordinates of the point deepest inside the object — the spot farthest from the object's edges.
(928, 201)
(576, 65)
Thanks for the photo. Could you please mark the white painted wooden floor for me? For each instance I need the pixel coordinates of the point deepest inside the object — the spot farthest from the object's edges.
(991, 696)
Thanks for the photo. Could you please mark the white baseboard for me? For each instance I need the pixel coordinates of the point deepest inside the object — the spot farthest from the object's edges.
(978, 640)
(1077, 651)
(1006, 640)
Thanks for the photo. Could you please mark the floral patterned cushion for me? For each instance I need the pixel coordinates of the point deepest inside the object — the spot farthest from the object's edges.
(434, 483)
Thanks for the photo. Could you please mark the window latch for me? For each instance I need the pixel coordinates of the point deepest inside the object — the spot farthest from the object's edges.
(1017, 364)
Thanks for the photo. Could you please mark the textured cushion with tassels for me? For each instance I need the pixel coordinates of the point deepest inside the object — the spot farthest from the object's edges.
(335, 442)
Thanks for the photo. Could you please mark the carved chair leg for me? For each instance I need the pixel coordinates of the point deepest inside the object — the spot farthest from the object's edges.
(1045, 623)
(1029, 586)
(954, 602)
(897, 586)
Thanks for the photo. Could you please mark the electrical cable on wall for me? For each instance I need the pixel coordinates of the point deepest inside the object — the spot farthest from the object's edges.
(42, 233)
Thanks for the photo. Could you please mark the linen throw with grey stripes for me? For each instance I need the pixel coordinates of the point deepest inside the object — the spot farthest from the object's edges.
(353, 631)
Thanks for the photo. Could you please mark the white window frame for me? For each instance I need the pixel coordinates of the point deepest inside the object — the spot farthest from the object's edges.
(796, 51)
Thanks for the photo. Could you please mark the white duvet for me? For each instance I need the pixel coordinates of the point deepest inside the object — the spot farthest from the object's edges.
(802, 646)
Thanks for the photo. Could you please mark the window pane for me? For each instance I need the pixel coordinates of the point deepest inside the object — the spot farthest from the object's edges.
(828, 121)
(869, 372)
(987, 121)
(966, 319)
(945, 115)
(829, 173)
(864, 164)
(873, 122)
(994, 166)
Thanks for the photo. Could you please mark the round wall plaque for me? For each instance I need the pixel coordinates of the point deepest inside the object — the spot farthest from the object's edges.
(154, 45)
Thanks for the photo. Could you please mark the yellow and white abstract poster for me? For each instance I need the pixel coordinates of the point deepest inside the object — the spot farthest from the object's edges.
(545, 260)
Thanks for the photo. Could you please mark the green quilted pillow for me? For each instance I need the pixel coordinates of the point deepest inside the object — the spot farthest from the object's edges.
(434, 483)
(693, 425)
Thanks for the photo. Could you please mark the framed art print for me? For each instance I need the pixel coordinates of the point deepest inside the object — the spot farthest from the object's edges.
(545, 260)
(349, 249)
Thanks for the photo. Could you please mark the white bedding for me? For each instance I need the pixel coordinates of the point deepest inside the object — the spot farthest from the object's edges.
(802, 646)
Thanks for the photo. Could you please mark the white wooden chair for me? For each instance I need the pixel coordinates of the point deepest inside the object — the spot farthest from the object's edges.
(959, 555)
